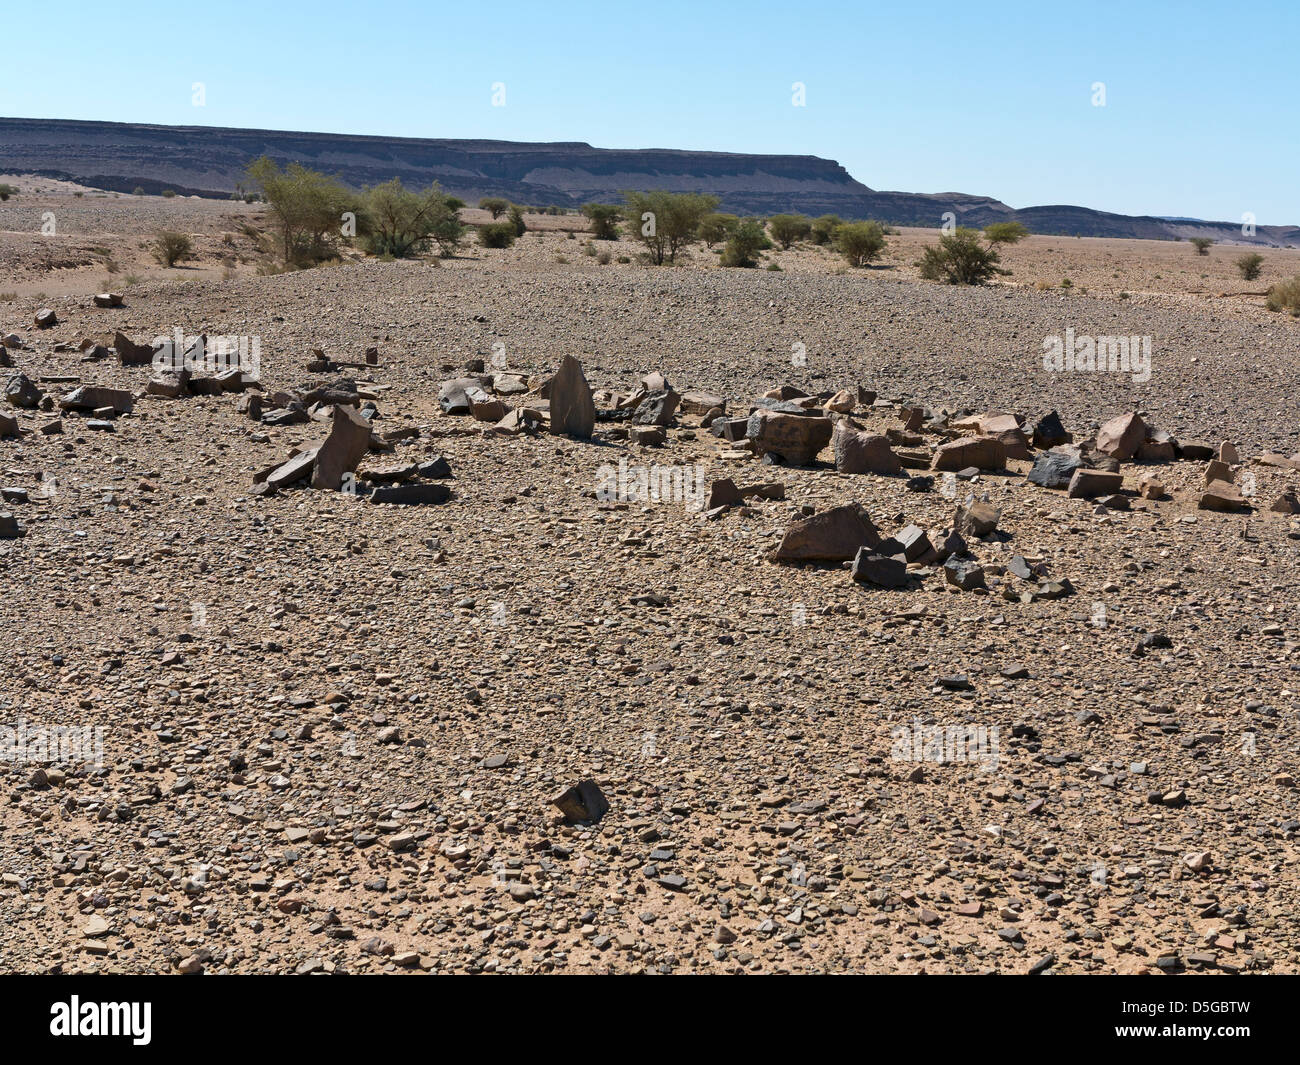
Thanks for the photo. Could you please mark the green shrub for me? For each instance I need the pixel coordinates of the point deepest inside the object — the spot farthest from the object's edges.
(860, 242)
(307, 208)
(497, 235)
(959, 259)
(604, 218)
(714, 228)
(137, 191)
(788, 229)
(8, 190)
(1285, 296)
(170, 247)
(401, 223)
(747, 239)
(494, 205)
(665, 221)
(1248, 265)
(169, 193)
(1005, 233)
(823, 228)
(516, 218)
(1202, 245)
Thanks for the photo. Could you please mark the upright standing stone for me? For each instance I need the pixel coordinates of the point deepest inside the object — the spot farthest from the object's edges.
(342, 450)
(572, 410)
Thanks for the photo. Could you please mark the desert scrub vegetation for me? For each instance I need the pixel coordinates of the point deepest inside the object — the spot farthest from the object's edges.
(7, 190)
(822, 230)
(497, 235)
(307, 209)
(959, 259)
(494, 205)
(604, 219)
(665, 221)
(788, 229)
(402, 223)
(1285, 296)
(715, 228)
(747, 239)
(515, 217)
(1202, 245)
(170, 247)
(860, 243)
(1248, 265)
(1005, 233)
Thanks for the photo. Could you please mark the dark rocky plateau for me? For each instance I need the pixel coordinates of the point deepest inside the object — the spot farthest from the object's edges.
(210, 161)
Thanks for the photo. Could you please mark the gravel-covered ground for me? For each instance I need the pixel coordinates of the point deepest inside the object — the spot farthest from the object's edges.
(332, 729)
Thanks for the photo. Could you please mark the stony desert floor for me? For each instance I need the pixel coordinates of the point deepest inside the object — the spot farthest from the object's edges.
(332, 729)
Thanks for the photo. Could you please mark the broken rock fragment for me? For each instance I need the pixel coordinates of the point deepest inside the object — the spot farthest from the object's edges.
(1088, 484)
(870, 567)
(582, 802)
(1121, 437)
(411, 493)
(981, 452)
(346, 446)
(964, 573)
(1222, 496)
(792, 439)
(834, 535)
(21, 392)
(94, 397)
(857, 451)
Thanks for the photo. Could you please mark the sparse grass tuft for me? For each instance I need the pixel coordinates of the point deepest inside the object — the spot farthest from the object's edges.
(1285, 296)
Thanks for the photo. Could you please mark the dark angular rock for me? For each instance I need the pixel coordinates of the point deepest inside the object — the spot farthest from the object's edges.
(1049, 432)
(415, 493)
(657, 408)
(965, 573)
(582, 802)
(872, 568)
(20, 391)
(1053, 469)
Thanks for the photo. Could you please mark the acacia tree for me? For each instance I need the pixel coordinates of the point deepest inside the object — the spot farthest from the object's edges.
(860, 242)
(307, 206)
(959, 259)
(1005, 233)
(823, 228)
(604, 218)
(666, 221)
(787, 229)
(715, 228)
(494, 205)
(402, 222)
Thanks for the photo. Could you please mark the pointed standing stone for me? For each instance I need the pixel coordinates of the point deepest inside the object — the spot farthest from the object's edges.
(572, 410)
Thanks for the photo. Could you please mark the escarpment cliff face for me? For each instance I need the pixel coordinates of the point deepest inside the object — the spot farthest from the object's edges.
(210, 161)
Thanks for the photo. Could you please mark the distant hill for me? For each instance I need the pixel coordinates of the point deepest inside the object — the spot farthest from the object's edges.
(210, 161)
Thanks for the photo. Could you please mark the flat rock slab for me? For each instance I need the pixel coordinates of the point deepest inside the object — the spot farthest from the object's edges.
(411, 494)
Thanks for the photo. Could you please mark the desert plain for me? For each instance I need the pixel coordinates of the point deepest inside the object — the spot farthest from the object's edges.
(333, 729)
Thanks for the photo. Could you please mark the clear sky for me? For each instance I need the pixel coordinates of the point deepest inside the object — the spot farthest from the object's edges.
(987, 98)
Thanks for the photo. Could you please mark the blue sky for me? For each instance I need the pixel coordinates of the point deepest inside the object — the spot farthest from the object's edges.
(993, 99)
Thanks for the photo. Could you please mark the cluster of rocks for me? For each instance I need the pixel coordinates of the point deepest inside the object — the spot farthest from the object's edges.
(565, 404)
(331, 465)
(788, 427)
